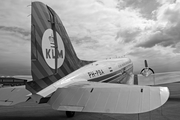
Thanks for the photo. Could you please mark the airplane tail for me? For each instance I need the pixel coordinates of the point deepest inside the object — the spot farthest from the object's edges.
(52, 54)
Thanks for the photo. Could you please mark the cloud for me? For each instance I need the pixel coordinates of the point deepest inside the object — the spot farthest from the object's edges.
(98, 29)
(84, 40)
(159, 60)
(166, 27)
(145, 7)
(155, 38)
(14, 51)
(177, 48)
(14, 13)
(128, 35)
(25, 34)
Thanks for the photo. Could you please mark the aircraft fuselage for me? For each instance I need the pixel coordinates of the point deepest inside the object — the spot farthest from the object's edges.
(117, 70)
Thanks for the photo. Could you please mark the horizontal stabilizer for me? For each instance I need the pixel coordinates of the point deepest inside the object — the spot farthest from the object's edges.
(13, 95)
(109, 98)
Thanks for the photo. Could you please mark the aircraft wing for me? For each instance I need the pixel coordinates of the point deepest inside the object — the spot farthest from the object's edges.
(108, 98)
(157, 78)
(13, 95)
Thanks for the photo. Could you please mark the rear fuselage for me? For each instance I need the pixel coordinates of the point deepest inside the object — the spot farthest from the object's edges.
(117, 70)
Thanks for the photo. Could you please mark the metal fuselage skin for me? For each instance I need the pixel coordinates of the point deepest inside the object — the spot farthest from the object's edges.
(116, 70)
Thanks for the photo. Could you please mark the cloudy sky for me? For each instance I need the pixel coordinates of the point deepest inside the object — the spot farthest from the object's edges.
(98, 29)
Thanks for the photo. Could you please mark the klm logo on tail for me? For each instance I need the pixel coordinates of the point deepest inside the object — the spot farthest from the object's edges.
(48, 48)
(50, 53)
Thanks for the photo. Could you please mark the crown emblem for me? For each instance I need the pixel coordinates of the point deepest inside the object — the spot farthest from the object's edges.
(51, 39)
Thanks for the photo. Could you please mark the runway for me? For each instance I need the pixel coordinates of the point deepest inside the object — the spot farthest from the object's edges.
(32, 111)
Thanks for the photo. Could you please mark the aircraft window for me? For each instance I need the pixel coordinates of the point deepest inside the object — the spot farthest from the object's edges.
(92, 89)
(94, 64)
(110, 69)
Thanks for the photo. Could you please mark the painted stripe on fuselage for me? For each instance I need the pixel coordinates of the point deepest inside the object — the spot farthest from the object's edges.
(119, 77)
(111, 76)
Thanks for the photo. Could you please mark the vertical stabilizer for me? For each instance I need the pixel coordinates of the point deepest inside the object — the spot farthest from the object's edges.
(52, 54)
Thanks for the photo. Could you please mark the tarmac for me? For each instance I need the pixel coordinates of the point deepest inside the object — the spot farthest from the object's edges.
(32, 111)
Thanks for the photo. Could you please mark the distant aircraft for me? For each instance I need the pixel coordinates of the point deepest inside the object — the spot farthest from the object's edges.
(14, 80)
(69, 84)
(25, 77)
